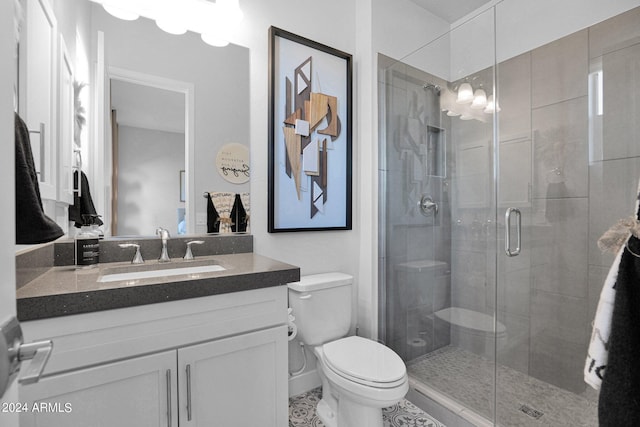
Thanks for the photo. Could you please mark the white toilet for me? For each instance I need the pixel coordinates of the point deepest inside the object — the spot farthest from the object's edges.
(359, 376)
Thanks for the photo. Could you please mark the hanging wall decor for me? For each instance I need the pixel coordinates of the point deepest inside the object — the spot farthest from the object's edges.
(232, 163)
(310, 144)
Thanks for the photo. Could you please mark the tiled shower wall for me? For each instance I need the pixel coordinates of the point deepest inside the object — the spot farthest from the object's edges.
(585, 168)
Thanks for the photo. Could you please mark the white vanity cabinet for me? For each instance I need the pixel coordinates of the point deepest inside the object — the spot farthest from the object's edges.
(212, 361)
(135, 392)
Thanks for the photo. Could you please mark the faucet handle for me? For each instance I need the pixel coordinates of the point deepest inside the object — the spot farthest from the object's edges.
(137, 258)
(189, 255)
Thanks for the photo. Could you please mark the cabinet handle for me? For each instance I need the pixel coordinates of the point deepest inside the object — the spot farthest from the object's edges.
(189, 393)
(169, 397)
(41, 143)
(38, 353)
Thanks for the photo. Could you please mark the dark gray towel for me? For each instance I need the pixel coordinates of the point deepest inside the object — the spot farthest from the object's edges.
(32, 225)
(239, 216)
(619, 401)
(213, 219)
(83, 203)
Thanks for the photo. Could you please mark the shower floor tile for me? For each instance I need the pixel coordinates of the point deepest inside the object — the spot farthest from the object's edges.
(468, 378)
(302, 413)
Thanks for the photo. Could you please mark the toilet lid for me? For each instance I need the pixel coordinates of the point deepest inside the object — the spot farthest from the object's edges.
(365, 360)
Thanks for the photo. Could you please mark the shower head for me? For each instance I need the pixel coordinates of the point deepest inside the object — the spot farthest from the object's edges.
(432, 86)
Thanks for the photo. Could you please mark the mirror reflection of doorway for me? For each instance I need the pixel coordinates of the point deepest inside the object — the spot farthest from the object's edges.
(148, 146)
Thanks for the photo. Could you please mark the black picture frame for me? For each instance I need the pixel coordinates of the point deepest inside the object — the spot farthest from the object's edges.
(321, 198)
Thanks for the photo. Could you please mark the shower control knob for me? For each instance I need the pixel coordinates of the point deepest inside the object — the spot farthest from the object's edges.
(427, 206)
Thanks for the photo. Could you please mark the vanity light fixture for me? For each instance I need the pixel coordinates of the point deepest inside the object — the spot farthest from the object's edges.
(215, 21)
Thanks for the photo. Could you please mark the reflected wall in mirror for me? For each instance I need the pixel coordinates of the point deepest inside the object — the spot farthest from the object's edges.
(148, 141)
(105, 53)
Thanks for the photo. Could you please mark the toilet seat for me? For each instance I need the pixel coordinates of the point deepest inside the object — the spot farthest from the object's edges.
(365, 362)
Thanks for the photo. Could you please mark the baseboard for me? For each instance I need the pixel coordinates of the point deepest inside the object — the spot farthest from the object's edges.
(304, 382)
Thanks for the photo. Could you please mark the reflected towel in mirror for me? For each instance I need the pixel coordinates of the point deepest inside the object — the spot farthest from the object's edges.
(82, 201)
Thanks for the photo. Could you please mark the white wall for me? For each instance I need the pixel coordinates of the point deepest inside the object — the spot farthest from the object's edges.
(404, 31)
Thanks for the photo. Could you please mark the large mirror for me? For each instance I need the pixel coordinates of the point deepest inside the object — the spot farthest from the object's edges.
(158, 108)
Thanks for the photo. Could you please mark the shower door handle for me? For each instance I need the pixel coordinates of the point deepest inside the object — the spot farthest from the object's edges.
(507, 232)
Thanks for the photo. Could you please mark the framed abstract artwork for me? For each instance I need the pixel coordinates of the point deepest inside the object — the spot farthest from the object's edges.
(310, 135)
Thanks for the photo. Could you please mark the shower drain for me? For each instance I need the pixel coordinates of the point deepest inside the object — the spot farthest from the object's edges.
(531, 412)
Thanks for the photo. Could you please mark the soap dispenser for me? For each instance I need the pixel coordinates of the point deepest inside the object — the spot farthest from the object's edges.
(95, 226)
(87, 246)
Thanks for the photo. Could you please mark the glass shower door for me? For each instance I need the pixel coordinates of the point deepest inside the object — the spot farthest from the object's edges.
(569, 161)
(438, 215)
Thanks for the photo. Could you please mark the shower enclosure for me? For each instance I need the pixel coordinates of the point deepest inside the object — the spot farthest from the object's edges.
(499, 170)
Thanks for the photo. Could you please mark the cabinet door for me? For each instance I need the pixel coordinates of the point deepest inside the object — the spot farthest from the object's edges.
(235, 382)
(133, 393)
(38, 80)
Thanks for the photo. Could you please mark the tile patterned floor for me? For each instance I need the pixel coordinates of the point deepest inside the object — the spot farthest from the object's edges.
(468, 378)
(302, 413)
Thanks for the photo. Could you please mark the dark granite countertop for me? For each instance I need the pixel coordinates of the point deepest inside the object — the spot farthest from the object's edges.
(66, 290)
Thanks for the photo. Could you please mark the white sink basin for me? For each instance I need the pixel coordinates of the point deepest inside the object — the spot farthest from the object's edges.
(177, 271)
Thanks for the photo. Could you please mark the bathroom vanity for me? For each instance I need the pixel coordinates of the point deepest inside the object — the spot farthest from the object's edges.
(214, 354)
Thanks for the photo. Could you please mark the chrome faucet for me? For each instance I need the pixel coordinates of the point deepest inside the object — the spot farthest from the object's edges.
(188, 256)
(164, 235)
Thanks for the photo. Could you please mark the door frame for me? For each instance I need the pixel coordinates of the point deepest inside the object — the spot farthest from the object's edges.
(8, 89)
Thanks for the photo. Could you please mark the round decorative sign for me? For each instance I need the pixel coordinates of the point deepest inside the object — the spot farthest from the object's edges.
(232, 163)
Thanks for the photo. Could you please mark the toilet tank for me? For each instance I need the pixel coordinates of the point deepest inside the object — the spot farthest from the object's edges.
(321, 304)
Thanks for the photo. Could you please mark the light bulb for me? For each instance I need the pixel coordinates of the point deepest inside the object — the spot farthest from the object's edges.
(465, 94)
(171, 26)
(479, 99)
(120, 12)
(214, 40)
(491, 106)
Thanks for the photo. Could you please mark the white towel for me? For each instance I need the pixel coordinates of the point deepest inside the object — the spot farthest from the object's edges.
(598, 353)
(223, 202)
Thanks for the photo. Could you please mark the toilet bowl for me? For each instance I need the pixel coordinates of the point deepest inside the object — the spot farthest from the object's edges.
(359, 376)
